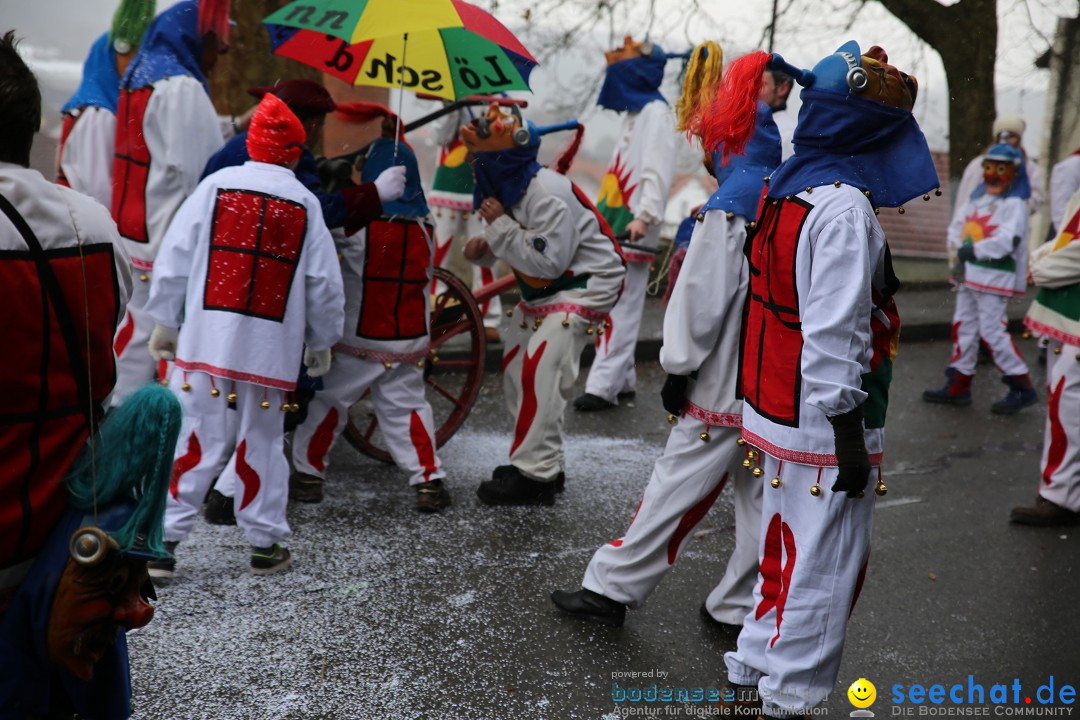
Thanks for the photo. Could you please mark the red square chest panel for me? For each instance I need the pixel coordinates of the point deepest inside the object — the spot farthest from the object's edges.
(255, 245)
(131, 165)
(396, 265)
(772, 331)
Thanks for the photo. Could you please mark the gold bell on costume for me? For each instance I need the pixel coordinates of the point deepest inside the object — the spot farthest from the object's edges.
(775, 482)
(881, 489)
(815, 490)
(704, 437)
(758, 472)
(214, 392)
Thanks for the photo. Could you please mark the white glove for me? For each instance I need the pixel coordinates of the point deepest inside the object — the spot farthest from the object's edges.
(391, 183)
(163, 342)
(317, 362)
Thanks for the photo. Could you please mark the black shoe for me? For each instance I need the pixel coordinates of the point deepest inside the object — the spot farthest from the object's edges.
(1044, 513)
(627, 395)
(510, 487)
(305, 488)
(728, 629)
(507, 470)
(267, 561)
(432, 496)
(219, 509)
(588, 605)
(164, 569)
(592, 403)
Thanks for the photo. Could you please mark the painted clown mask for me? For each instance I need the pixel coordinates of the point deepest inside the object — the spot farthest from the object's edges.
(998, 175)
(495, 130)
(628, 51)
(101, 593)
(886, 83)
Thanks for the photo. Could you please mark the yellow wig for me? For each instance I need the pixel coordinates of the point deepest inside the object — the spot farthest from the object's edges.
(700, 84)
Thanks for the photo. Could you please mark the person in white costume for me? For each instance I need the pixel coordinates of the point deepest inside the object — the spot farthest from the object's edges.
(633, 196)
(249, 274)
(570, 273)
(387, 270)
(701, 346)
(84, 156)
(66, 280)
(1007, 129)
(1055, 315)
(166, 130)
(989, 239)
(1064, 182)
(818, 340)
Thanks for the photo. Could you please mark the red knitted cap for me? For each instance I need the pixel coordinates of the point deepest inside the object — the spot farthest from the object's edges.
(276, 136)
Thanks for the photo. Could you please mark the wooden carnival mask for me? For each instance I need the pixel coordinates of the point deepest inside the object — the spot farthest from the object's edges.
(495, 130)
(101, 592)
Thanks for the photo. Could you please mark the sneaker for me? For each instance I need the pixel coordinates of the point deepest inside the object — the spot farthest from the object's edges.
(513, 488)
(432, 496)
(560, 479)
(267, 561)
(588, 605)
(164, 569)
(219, 509)
(305, 488)
(592, 403)
(1044, 513)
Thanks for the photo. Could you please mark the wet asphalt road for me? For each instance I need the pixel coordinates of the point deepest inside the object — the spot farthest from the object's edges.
(387, 614)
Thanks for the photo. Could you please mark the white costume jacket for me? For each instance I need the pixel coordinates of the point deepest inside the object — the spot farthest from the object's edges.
(819, 338)
(1064, 181)
(998, 229)
(42, 427)
(1055, 268)
(563, 259)
(85, 153)
(249, 273)
(704, 316)
(165, 134)
(638, 181)
(387, 270)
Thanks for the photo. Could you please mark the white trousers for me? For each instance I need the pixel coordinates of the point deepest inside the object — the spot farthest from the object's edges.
(134, 365)
(813, 553)
(686, 481)
(540, 367)
(612, 371)
(244, 446)
(1060, 464)
(404, 415)
(982, 314)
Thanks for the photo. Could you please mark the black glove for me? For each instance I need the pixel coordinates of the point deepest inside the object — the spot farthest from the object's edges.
(851, 455)
(673, 394)
(966, 253)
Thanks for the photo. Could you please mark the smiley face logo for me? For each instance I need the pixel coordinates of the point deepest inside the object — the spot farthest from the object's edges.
(862, 693)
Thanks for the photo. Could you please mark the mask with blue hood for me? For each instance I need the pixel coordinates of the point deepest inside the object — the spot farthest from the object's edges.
(1004, 173)
(504, 149)
(855, 125)
(633, 76)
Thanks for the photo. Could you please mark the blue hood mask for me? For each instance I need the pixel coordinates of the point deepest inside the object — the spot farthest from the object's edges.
(100, 85)
(380, 156)
(1021, 185)
(630, 85)
(506, 174)
(172, 46)
(874, 147)
(743, 177)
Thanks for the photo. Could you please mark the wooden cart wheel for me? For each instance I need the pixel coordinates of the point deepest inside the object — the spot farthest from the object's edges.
(453, 371)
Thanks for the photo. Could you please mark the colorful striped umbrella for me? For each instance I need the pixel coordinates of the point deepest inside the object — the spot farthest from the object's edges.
(445, 48)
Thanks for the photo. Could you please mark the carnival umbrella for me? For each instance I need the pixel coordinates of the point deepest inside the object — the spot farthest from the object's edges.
(444, 48)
